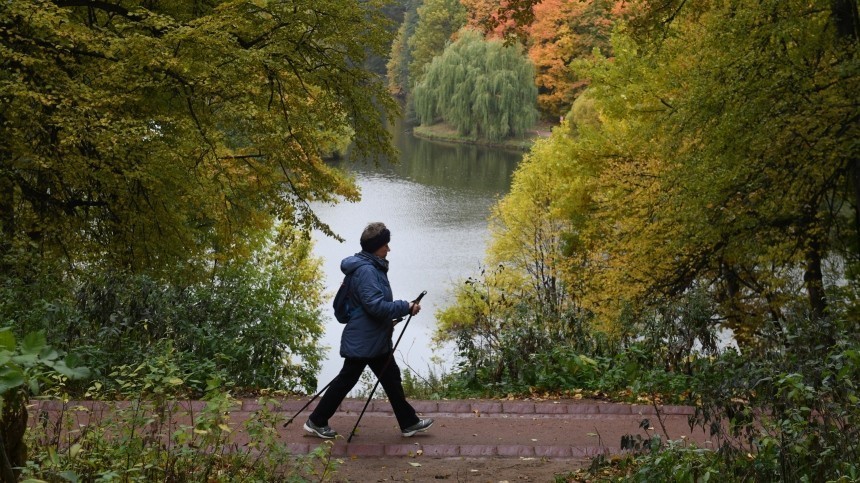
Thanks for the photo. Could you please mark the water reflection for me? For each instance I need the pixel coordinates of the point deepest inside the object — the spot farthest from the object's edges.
(436, 201)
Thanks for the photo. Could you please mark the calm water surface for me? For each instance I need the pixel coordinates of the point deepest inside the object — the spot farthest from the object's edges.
(436, 202)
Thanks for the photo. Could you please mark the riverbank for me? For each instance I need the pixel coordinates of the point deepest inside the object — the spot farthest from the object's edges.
(445, 133)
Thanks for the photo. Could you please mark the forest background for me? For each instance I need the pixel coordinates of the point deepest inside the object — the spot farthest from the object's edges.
(158, 161)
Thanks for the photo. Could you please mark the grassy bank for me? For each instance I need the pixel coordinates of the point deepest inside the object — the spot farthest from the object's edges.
(446, 133)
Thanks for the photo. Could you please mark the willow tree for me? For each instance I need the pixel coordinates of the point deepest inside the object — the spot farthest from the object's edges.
(484, 88)
(142, 134)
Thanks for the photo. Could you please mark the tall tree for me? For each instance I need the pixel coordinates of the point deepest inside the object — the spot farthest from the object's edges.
(482, 87)
(400, 57)
(562, 31)
(140, 134)
(728, 142)
(438, 21)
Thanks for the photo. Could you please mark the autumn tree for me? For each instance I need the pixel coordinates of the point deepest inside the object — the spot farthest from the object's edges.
(717, 158)
(562, 31)
(488, 16)
(728, 151)
(140, 134)
(526, 301)
(483, 88)
(157, 164)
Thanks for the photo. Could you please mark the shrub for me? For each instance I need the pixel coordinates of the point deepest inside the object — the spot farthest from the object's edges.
(148, 439)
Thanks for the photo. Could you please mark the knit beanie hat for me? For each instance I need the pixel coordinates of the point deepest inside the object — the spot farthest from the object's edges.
(370, 245)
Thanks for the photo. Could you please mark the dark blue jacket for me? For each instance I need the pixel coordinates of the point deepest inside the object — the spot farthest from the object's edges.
(368, 332)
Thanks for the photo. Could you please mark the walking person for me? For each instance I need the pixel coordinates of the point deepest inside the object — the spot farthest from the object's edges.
(366, 338)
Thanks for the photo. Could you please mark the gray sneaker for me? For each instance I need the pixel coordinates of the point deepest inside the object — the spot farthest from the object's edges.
(419, 427)
(323, 432)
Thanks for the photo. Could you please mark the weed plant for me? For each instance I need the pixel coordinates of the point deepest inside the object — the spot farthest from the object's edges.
(158, 439)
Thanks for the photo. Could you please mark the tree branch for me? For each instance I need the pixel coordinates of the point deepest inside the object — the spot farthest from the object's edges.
(99, 5)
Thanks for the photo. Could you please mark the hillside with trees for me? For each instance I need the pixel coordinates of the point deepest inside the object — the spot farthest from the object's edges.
(690, 233)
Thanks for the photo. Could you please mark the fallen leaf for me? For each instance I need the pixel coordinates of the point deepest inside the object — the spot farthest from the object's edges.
(415, 464)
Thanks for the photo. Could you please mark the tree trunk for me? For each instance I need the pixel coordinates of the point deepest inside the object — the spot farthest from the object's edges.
(7, 216)
(846, 18)
(813, 279)
(13, 425)
(6, 473)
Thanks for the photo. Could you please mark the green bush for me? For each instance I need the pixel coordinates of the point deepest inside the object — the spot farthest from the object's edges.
(154, 439)
(792, 406)
(787, 411)
(256, 321)
(26, 367)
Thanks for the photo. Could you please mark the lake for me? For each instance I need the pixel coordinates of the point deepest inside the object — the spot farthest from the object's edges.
(436, 202)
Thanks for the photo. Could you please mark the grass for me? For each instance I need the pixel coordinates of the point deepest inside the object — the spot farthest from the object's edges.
(446, 133)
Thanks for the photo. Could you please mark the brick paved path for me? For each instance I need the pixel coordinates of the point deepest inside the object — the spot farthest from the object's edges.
(552, 429)
(567, 429)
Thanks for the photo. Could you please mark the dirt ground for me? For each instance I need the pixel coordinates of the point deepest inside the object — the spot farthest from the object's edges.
(477, 470)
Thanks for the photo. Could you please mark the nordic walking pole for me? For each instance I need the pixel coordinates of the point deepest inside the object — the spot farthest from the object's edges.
(387, 363)
(308, 404)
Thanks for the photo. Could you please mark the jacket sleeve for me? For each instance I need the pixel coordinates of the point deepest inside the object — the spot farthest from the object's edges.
(373, 297)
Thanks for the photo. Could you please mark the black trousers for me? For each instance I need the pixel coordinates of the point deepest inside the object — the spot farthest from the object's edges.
(347, 379)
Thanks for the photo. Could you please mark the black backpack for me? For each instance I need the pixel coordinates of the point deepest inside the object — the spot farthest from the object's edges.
(341, 302)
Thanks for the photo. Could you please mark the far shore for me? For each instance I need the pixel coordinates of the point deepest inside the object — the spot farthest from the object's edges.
(445, 133)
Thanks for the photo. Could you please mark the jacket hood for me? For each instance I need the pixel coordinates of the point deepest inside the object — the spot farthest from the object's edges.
(351, 263)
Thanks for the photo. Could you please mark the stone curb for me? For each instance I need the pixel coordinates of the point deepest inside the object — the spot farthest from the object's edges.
(451, 408)
(454, 451)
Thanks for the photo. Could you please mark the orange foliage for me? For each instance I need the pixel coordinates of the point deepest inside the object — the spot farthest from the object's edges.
(564, 30)
(488, 16)
(555, 33)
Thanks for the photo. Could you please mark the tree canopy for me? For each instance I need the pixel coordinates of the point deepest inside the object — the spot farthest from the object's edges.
(564, 31)
(728, 159)
(714, 153)
(438, 22)
(143, 134)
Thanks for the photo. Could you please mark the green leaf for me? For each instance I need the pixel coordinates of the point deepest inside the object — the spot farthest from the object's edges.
(49, 354)
(33, 343)
(7, 340)
(10, 378)
(71, 372)
(35, 388)
(69, 475)
(26, 360)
